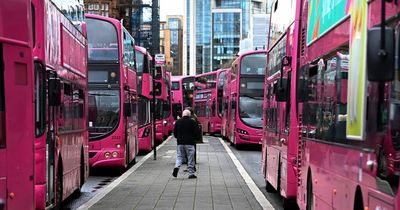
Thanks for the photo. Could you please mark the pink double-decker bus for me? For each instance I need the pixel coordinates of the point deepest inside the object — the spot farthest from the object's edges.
(341, 149)
(348, 107)
(161, 93)
(226, 105)
(168, 118)
(182, 88)
(280, 124)
(145, 86)
(113, 99)
(17, 112)
(246, 98)
(61, 100)
(208, 100)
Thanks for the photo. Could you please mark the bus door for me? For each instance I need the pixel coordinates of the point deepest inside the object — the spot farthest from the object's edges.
(272, 130)
(17, 157)
(232, 118)
(54, 102)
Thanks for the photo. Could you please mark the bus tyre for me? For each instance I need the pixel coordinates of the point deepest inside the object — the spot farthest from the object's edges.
(358, 200)
(268, 187)
(289, 204)
(310, 195)
(59, 188)
(82, 171)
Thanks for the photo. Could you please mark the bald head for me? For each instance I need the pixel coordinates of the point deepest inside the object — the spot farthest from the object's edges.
(186, 113)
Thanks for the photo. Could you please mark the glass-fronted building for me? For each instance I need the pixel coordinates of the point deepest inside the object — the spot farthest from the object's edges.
(226, 35)
(175, 29)
(219, 25)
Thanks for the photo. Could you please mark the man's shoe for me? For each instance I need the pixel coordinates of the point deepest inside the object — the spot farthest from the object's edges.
(175, 172)
(192, 176)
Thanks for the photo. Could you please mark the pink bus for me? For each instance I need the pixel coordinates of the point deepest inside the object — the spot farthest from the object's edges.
(161, 93)
(246, 98)
(341, 165)
(280, 130)
(17, 112)
(113, 99)
(319, 160)
(168, 118)
(208, 100)
(61, 101)
(145, 86)
(182, 88)
(226, 105)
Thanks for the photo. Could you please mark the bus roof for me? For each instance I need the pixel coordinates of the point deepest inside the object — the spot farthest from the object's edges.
(99, 17)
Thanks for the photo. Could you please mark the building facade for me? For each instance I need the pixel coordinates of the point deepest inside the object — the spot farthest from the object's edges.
(219, 25)
(118, 9)
(171, 43)
(146, 24)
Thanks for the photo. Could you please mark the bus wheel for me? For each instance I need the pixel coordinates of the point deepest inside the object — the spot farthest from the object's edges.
(59, 187)
(289, 204)
(358, 201)
(268, 187)
(83, 172)
(310, 194)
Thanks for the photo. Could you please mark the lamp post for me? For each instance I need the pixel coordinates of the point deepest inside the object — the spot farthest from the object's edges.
(153, 93)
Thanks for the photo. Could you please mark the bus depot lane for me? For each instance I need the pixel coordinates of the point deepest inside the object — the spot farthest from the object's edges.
(150, 185)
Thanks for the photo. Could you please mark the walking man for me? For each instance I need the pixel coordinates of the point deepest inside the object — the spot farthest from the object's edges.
(186, 132)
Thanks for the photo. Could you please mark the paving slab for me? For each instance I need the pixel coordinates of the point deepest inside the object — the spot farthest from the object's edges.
(151, 186)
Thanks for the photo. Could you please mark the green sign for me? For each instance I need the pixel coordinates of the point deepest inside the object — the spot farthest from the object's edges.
(324, 15)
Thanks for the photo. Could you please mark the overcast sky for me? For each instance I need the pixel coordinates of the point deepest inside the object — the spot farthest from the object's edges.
(170, 7)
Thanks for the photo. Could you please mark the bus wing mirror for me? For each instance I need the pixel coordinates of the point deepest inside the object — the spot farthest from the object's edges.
(380, 63)
(280, 89)
(127, 110)
(54, 85)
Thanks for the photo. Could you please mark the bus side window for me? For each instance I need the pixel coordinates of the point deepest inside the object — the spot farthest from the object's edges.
(40, 98)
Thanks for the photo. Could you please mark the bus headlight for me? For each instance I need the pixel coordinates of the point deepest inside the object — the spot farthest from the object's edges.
(118, 146)
(165, 123)
(242, 131)
(115, 154)
(107, 155)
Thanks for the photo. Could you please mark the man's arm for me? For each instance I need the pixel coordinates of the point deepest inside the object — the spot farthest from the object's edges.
(175, 129)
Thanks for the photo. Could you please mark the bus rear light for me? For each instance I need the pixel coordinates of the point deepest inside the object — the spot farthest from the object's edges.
(242, 131)
(11, 195)
(118, 146)
(115, 154)
(146, 132)
(107, 155)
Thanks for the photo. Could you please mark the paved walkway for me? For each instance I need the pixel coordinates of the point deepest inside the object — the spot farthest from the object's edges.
(151, 186)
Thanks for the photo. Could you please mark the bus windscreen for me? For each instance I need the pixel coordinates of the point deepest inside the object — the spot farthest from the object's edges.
(103, 41)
